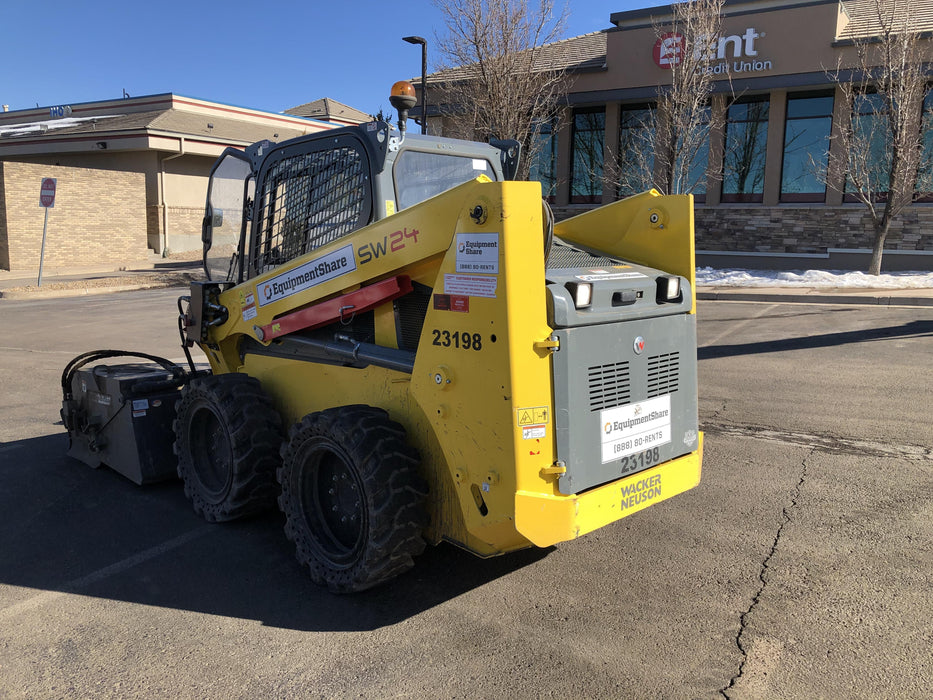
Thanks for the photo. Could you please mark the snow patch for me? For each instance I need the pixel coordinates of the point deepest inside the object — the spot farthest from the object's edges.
(48, 125)
(822, 279)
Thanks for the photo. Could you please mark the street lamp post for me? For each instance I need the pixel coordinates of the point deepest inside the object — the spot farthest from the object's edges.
(424, 78)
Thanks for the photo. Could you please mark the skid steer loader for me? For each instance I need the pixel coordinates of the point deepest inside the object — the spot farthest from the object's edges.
(407, 350)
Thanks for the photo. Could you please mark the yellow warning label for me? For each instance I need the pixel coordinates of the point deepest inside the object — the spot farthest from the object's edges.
(537, 415)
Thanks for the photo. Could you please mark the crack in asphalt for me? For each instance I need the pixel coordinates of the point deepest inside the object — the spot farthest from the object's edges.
(763, 577)
(823, 443)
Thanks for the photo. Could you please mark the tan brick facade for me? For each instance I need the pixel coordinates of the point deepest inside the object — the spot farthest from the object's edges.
(99, 217)
(184, 228)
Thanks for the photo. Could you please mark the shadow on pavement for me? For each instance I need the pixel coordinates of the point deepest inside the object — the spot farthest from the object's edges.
(71, 528)
(913, 329)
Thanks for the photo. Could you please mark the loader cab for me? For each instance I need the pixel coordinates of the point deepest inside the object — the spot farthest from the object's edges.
(276, 202)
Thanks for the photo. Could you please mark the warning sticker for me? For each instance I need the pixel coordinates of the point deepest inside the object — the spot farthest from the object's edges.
(534, 432)
(539, 415)
(452, 302)
(471, 285)
(478, 252)
(249, 306)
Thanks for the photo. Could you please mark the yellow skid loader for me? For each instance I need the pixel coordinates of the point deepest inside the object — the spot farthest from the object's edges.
(407, 350)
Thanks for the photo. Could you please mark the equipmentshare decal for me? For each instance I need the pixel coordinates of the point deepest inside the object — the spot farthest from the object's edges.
(625, 430)
(478, 252)
(311, 274)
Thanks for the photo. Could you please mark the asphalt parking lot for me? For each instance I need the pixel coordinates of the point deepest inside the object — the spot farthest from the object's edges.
(801, 567)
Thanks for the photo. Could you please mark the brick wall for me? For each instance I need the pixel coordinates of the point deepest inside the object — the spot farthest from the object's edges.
(99, 217)
(184, 228)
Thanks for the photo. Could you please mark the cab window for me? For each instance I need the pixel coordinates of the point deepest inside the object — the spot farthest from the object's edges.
(419, 175)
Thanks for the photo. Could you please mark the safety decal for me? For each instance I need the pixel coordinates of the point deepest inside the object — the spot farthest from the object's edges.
(471, 285)
(248, 302)
(452, 302)
(304, 277)
(478, 252)
(533, 422)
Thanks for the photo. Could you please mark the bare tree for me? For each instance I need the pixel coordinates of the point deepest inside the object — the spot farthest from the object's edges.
(688, 43)
(882, 140)
(496, 80)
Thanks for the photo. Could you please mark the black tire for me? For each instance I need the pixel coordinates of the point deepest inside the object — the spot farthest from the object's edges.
(227, 439)
(352, 498)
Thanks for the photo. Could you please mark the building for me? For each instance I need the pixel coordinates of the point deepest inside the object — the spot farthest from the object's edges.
(773, 87)
(330, 110)
(131, 175)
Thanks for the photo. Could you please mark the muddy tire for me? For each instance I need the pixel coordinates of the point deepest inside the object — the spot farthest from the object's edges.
(227, 439)
(352, 498)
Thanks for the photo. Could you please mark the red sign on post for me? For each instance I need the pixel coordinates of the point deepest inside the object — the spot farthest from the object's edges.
(47, 192)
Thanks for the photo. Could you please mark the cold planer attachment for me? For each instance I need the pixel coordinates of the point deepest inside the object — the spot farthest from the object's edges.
(121, 415)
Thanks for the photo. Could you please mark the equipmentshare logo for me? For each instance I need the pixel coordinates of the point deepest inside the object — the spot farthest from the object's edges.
(635, 427)
(303, 277)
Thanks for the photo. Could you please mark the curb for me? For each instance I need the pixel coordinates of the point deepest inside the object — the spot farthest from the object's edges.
(87, 291)
(868, 300)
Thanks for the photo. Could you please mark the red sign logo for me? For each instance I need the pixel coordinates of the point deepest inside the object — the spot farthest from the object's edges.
(668, 50)
(47, 192)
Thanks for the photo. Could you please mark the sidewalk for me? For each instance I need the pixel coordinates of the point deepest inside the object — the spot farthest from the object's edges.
(177, 273)
(99, 280)
(819, 295)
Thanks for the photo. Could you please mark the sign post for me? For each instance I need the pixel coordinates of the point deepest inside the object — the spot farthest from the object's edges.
(46, 201)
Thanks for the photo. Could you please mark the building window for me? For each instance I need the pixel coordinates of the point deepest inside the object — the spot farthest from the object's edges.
(870, 151)
(746, 144)
(806, 148)
(925, 171)
(586, 179)
(696, 148)
(543, 163)
(636, 150)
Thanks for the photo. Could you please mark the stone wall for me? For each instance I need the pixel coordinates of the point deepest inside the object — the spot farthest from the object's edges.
(804, 231)
(807, 229)
(99, 217)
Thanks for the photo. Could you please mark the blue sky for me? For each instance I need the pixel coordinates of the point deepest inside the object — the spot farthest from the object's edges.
(265, 55)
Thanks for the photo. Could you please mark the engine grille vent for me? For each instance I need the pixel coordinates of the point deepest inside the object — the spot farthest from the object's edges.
(663, 374)
(563, 256)
(609, 385)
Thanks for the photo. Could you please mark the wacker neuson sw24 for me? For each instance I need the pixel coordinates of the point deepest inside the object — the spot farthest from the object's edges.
(407, 350)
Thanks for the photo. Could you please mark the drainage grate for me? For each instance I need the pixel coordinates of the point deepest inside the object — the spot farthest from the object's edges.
(663, 374)
(609, 385)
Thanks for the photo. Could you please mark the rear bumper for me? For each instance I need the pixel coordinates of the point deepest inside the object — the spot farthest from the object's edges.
(547, 519)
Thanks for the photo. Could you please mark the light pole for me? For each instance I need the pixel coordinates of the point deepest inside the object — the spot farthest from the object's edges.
(424, 78)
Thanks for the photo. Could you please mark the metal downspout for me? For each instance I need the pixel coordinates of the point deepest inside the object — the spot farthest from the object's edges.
(162, 202)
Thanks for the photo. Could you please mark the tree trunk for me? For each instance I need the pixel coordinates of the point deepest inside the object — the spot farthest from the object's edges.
(881, 232)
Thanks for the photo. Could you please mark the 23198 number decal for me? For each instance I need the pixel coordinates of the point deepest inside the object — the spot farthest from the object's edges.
(457, 339)
(640, 460)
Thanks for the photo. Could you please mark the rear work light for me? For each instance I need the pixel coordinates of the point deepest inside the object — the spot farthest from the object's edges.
(669, 290)
(582, 293)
